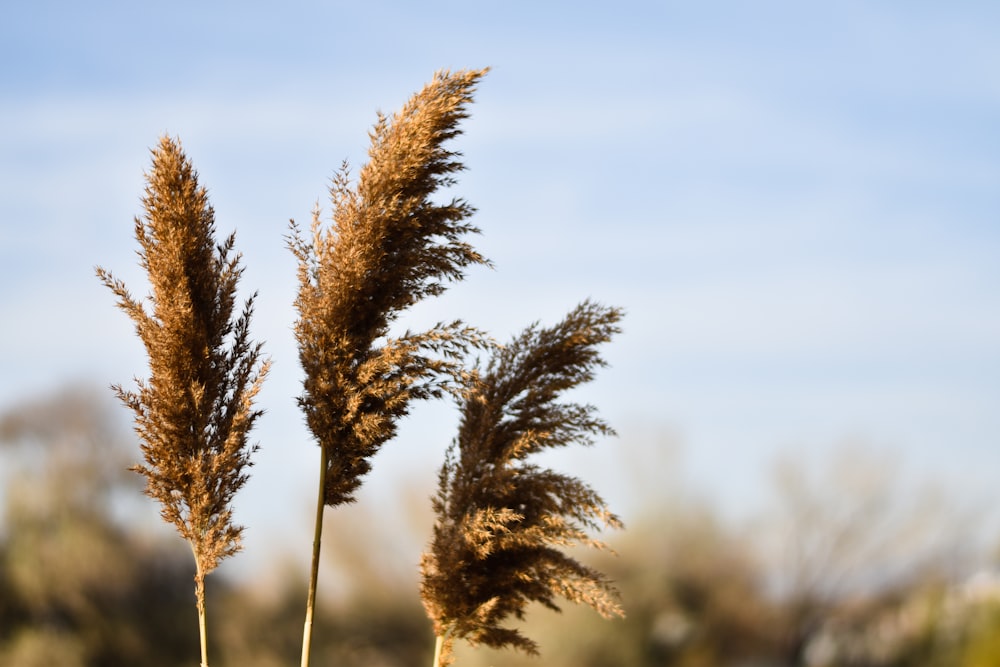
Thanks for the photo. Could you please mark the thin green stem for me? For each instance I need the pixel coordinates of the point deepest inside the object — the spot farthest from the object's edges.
(314, 571)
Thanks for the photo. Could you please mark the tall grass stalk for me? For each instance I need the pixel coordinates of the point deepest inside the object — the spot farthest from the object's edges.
(389, 245)
(195, 412)
(502, 522)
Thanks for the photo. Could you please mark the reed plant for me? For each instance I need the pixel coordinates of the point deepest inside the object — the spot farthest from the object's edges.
(389, 245)
(503, 523)
(194, 413)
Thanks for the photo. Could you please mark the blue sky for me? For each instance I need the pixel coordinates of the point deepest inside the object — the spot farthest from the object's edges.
(796, 203)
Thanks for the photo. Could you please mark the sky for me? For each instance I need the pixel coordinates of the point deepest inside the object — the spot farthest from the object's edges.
(795, 203)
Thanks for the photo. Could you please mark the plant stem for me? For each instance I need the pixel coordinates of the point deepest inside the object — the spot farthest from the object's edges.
(199, 580)
(438, 644)
(314, 571)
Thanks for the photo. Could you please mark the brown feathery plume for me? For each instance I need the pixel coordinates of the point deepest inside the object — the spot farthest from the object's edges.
(389, 246)
(502, 523)
(194, 414)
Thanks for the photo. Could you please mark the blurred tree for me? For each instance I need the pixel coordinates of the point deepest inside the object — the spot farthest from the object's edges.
(982, 646)
(264, 632)
(850, 539)
(694, 589)
(76, 585)
(90, 576)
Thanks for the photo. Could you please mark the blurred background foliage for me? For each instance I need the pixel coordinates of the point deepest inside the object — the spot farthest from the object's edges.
(849, 569)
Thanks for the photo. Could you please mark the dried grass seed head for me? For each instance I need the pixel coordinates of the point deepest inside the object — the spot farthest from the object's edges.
(194, 413)
(389, 246)
(502, 522)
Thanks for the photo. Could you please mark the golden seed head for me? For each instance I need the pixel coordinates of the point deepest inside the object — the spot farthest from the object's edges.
(502, 522)
(194, 413)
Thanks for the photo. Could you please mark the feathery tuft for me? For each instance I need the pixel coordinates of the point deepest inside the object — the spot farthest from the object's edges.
(388, 247)
(502, 523)
(194, 414)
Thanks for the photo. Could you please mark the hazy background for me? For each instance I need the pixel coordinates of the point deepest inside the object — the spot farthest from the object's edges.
(796, 203)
